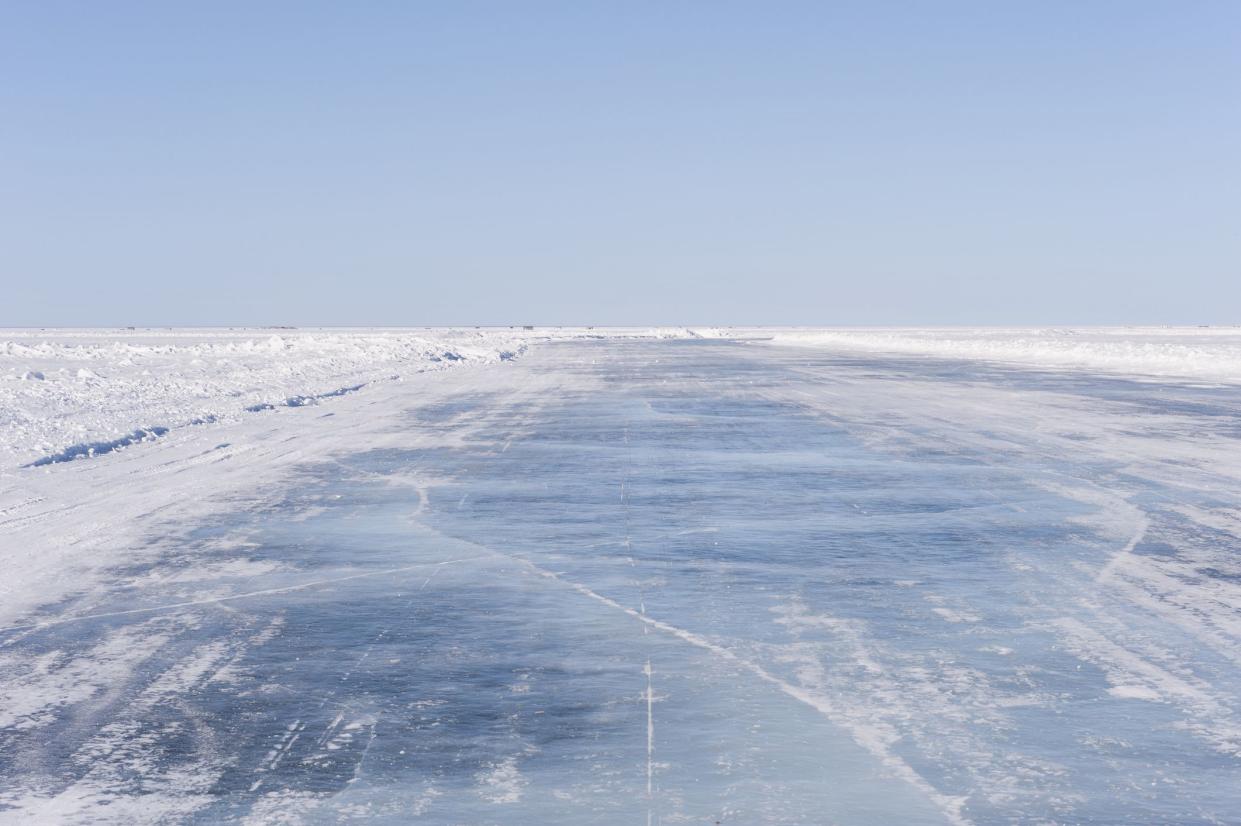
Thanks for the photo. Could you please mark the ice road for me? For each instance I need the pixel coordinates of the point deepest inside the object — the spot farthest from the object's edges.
(644, 581)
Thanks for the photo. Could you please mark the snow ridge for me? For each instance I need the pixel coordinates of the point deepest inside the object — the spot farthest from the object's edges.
(72, 394)
(1211, 353)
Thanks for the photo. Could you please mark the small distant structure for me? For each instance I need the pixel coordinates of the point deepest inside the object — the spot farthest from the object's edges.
(527, 326)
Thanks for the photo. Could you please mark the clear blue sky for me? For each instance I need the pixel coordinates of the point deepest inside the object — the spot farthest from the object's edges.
(625, 162)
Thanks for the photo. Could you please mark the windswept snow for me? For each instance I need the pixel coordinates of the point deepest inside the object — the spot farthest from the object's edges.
(228, 406)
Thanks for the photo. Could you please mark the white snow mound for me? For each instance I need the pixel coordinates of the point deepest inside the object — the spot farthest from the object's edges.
(1210, 353)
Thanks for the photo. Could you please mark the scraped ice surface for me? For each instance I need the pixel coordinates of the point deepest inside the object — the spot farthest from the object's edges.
(668, 581)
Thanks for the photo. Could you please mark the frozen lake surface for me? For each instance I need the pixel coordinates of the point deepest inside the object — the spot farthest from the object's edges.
(675, 582)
